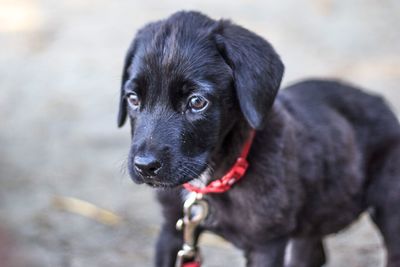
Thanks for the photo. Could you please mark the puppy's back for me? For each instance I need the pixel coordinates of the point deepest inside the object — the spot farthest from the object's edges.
(373, 121)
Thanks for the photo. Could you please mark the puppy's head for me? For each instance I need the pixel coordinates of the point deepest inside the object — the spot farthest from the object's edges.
(186, 82)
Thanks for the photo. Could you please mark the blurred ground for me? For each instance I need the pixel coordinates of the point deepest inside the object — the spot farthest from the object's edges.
(60, 64)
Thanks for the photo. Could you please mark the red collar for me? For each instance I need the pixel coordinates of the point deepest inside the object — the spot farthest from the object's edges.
(231, 177)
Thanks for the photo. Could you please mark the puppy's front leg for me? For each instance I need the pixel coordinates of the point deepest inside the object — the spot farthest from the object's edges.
(170, 240)
(271, 254)
(168, 244)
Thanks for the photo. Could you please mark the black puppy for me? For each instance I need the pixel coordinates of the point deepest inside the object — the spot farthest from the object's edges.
(324, 152)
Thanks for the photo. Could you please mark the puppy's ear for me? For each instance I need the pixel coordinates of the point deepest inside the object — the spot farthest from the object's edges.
(122, 113)
(143, 36)
(257, 69)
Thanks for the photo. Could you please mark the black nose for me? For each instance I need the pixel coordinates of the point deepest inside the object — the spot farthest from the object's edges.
(147, 165)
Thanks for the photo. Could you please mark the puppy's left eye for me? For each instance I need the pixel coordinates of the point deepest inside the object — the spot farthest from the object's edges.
(197, 103)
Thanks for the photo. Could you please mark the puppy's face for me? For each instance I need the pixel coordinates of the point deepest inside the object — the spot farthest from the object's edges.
(178, 110)
(186, 82)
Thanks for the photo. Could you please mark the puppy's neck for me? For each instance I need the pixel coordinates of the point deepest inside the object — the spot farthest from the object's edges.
(203, 180)
(225, 155)
(230, 148)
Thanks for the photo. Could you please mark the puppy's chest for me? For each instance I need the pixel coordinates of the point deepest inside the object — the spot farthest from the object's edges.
(240, 223)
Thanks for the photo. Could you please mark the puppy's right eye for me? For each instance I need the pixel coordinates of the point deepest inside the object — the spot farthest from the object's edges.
(133, 100)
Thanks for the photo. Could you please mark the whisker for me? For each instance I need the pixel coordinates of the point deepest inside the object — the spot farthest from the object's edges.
(123, 167)
(190, 172)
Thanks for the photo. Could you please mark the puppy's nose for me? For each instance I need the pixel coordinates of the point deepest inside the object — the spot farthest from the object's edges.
(147, 165)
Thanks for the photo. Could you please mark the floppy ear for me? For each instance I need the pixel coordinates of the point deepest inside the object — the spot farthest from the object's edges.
(144, 35)
(257, 70)
(122, 113)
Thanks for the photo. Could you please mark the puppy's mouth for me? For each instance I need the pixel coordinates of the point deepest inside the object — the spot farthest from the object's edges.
(200, 180)
(197, 172)
(157, 184)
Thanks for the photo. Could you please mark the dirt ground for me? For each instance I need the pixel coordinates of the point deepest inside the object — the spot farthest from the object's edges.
(60, 64)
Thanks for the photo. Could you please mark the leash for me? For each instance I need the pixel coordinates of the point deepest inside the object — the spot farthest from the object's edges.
(195, 208)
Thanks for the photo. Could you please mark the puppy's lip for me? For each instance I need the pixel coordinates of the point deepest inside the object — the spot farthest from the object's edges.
(136, 179)
(158, 184)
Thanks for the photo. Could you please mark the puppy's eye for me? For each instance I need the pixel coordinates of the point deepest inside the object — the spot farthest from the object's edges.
(197, 103)
(133, 100)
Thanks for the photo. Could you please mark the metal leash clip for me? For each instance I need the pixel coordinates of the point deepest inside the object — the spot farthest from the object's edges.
(195, 210)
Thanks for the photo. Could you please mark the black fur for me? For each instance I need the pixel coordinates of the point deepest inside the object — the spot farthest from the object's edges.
(324, 151)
